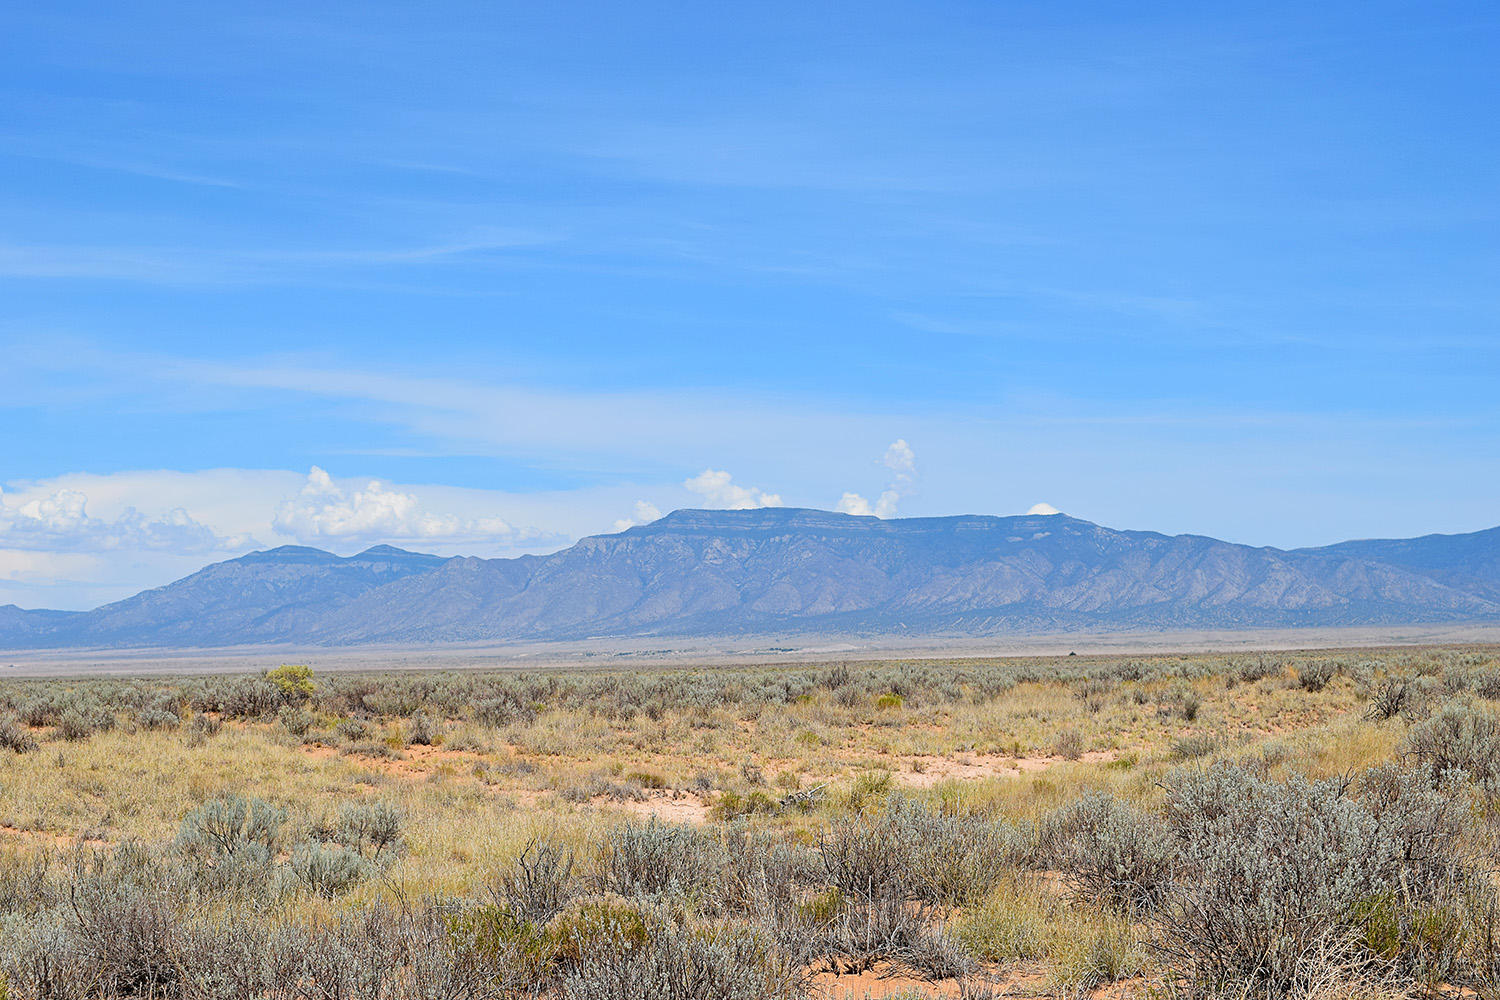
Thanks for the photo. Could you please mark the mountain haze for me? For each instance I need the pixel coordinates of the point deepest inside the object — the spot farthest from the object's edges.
(714, 572)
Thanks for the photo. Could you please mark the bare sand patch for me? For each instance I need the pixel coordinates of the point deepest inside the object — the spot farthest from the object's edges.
(926, 771)
(668, 807)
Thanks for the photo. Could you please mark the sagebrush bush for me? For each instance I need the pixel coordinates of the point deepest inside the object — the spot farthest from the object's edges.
(329, 870)
(79, 722)
(232, 825)
(1487, 684)
(685, 962)
(658, 859)
(423, 730)
(13, 736)
(1393, 697)
(296, 719)
(370, 829)
(539, 884)
(158, 718)
(203, 728)
(353, 729)
(1108, 851)
(1314, 676)
(1271, 878)
(1460, 737)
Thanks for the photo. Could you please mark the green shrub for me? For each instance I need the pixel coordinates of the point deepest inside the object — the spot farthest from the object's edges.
(517, 953)
(647, 779)
(870, 788)
(732, 805)
(593, 927)
(293, 680)
(1012, 924)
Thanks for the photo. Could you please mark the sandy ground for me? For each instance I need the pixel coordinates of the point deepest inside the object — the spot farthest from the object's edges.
(1021, 979)
(657, 652)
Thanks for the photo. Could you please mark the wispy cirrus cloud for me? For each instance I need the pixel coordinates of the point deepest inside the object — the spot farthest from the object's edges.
(209, 265)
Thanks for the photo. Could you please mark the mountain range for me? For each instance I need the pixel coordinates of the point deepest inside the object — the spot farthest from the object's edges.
(780, 570)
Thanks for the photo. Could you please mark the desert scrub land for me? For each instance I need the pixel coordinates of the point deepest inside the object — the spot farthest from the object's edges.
(1318, 824)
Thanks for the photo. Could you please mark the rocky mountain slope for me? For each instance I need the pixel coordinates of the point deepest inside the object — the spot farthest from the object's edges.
(698, 572)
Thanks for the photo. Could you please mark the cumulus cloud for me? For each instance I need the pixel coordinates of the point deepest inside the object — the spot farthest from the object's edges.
(719, 490)
(644, 513)
(901, 460)
(324, 511)
(1043, 508)
(853, 503)
(902, 463)
(60, 521)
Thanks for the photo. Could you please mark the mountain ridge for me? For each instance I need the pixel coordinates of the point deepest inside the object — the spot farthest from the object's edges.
(715, 572)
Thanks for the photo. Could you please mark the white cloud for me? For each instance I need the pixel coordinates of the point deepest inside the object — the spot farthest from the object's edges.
(60, 521)
(853, 503)
(1043, 508)
(645, 512)
(238, 505)
(718, 490)
(322, 510)
(901, 460)
(902, 463)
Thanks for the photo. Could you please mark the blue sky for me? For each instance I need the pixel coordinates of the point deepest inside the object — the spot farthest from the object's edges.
(489, 277)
